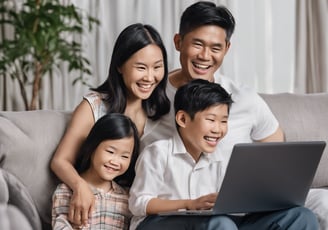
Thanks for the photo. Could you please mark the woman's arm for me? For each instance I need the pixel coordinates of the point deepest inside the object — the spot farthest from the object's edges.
(64, 158)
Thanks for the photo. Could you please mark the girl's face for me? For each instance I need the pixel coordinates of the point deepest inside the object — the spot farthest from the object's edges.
(143, 71)
(110, 159)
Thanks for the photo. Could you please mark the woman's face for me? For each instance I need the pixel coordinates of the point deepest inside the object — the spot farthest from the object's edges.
(143, 71)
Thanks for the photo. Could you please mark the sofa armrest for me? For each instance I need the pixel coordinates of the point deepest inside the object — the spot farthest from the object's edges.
(28, 140)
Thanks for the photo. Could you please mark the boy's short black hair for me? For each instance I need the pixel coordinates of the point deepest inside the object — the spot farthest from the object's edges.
(206, 13)
(198, 95)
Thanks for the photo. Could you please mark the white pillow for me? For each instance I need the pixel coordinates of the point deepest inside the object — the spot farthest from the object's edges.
(317, 201)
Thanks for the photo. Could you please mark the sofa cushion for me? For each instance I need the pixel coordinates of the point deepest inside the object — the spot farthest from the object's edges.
(18, 196)
(317, 201)
(28, 140)
(12, 218)
(303, 117)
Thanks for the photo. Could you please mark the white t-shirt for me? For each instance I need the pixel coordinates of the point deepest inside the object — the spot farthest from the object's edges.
(166, 170)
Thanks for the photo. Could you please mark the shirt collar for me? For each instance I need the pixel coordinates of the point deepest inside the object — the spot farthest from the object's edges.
(117, 189)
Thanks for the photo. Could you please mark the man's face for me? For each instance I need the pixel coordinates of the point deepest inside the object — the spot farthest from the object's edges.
(202, 51)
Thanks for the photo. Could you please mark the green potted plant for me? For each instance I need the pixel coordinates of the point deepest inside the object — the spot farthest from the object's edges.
(39, 43)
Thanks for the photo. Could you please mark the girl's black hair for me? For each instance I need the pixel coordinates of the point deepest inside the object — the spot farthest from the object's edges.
(110, 127)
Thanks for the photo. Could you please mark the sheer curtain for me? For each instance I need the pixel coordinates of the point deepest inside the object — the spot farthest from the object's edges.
(265, 54)
(311, 46)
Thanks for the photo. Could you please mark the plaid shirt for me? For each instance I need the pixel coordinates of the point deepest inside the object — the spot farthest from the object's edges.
(111, 209)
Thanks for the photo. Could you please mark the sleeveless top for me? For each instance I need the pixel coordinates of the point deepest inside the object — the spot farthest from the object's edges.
(100, 108)
(98, 104)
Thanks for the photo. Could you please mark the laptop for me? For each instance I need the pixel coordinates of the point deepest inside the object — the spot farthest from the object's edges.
(265, 177)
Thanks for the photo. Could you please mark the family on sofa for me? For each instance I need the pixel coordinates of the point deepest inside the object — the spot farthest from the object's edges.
(140, 87)
(136, 86)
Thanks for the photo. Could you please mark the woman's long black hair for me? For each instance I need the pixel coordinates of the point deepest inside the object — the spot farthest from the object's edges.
(132, 39)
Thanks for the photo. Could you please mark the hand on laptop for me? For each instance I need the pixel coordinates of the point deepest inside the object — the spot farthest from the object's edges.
(203, 202)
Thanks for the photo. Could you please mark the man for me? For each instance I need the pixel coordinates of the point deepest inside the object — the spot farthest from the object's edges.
(203, 41)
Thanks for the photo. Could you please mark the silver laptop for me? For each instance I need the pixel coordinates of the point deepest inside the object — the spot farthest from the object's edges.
(265, 177)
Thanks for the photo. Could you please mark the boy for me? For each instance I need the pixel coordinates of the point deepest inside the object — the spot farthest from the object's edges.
(184, 172)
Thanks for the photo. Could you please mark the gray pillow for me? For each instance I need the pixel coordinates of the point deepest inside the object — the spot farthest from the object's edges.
(19, 197)
(12, 219)
(4, 192)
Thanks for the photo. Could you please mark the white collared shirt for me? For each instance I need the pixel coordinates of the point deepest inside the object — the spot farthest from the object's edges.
(165, 170)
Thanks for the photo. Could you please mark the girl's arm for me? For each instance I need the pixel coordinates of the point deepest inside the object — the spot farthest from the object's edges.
(60, 205)
(62, 164)
(61, 223)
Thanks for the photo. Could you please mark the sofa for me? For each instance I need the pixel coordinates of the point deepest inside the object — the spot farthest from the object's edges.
(28, 140)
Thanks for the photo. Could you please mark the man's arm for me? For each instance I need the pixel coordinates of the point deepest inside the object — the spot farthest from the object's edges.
(277, 136)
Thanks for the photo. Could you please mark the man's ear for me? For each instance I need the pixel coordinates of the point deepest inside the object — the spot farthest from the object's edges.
(177, 41)
(181, 118)
(227, 47)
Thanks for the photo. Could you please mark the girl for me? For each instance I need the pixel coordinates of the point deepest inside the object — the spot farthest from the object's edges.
(108, 153)
(135, 87)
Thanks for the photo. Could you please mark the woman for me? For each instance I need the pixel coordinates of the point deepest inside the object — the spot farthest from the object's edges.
(135, 87)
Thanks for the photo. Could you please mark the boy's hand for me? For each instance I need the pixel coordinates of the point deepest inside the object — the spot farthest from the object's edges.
(82, 205)
(203, 202)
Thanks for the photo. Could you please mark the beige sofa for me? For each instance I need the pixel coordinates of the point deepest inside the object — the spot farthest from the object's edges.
(28, 140)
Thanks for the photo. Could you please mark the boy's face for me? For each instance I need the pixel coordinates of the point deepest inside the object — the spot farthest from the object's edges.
(202, 51)
(203, 133)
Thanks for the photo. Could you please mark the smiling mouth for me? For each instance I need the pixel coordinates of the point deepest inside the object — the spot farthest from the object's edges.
(201, 66)
(111, 168)
(144, 86)
(212, 139)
